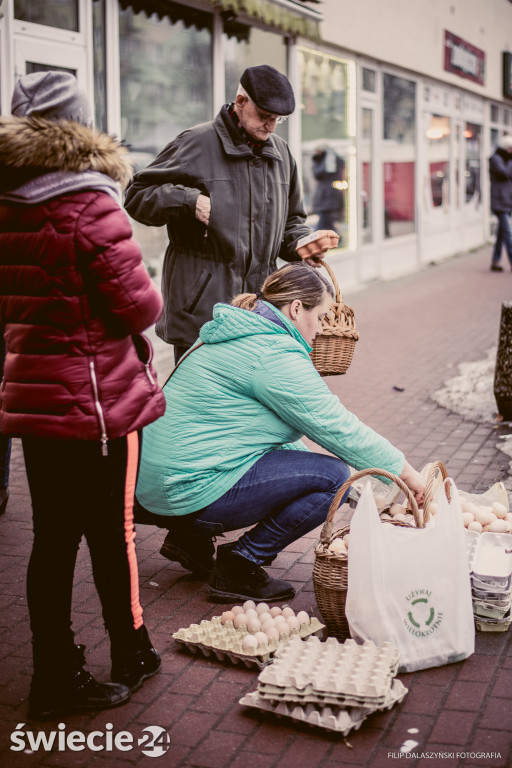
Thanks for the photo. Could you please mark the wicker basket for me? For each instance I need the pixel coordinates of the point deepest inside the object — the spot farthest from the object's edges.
(333, 349)
(330, 570)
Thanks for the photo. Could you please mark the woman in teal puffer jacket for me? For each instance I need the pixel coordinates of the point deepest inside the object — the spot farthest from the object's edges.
(228, 454)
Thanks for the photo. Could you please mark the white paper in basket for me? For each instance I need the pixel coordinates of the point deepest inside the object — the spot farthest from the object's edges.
(411, 586)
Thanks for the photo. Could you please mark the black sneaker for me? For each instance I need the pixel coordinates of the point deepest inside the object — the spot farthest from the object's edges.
(496, 268)
(235, 578)
(80, 693)
(131, 669)
(193, 552)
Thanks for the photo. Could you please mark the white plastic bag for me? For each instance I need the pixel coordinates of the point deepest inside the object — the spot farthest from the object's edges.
(411, 586)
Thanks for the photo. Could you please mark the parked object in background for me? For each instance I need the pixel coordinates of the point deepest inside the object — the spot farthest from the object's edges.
(503, 372)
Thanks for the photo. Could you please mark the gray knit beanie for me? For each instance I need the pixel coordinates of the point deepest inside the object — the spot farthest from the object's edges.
(53, 95)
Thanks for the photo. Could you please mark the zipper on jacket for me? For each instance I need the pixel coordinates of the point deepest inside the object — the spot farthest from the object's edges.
(99, 409)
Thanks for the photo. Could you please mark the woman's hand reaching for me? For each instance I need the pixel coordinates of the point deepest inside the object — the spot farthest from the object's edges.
(414, 481)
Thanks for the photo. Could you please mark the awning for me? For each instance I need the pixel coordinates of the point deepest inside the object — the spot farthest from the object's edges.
(287, 16)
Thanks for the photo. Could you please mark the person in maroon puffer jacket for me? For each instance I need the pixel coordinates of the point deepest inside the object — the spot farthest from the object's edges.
(78, 381)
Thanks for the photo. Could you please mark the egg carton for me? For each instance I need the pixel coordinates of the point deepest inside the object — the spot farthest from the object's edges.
(496, 492)
(493, 559)
(488, 610)
(331, 718)
(472, 538)
(330, 672)
(224, 641)
(486, 625)
(490, 588)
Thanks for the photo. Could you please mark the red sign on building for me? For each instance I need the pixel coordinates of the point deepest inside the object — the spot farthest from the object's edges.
(463, 59)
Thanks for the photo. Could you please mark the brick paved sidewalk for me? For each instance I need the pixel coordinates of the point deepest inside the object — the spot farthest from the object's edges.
(414, 333)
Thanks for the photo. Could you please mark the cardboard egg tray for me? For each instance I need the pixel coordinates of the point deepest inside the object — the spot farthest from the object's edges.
(341, 720)
(330, 672)
(490, 625)
(224, 642)
(489, 610)
(472, 538)
(493, 559)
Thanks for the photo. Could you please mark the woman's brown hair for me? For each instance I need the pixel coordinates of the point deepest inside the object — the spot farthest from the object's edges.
(294, 281)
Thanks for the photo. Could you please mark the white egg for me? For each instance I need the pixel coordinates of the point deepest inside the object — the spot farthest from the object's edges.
(268, 624)
(272, 633)
(237, 609)
(293, 622)
(467, 518)
(380, 501)
(249, 643)
(287, 611)
(264, 616)
(396, 509)
(498, 526)
(240, 620)
(248, 605)
(275, 611)
(303, 618)
(251, 614)
(346, 539)
(475, 526)
(227, 616)
(262, 608)
(337, 547)
(261, 638)
(499, 510)
(253, 625)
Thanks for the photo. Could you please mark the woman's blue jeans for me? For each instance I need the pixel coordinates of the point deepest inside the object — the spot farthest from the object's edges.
(503, 237)
(284, 495)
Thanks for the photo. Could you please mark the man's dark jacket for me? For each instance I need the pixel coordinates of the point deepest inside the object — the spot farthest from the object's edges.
(500, 171)
(257, 214)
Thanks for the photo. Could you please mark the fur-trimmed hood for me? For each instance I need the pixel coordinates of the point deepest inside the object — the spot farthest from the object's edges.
(30, 147)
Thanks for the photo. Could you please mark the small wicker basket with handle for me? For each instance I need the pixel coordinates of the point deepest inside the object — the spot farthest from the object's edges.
(330, 570)
(333, 349)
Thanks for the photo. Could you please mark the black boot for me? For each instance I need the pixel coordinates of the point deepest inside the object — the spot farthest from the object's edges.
(235, 578)
(134, 666)
(193, 552)
(70, 688)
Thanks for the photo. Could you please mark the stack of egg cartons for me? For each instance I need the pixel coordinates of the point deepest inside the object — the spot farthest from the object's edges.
(491, 582)
(328, 684)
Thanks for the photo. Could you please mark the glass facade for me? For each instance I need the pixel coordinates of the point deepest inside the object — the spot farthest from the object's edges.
(366, 196)
(248, 48)
(399, 155)
(328, 142)
(438, 159)
(99, 64)
(62, 14)
(472, 171)
(166, 80)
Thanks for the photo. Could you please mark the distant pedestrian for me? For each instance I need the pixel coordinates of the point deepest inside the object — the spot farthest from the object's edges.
(229, 193)
(329, 197)
(500, 171)
(78, 382)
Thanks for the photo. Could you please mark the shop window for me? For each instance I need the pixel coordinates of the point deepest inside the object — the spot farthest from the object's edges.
(399, 150)
(472, 172)
(438, 158)
(494, 137)
(328, 151)
(506, 117)
(166, 87)
(248, 47)
(166, 80)
(99, 64)
(495, 114)
(366, 174)
(62, 14)
(369, 80)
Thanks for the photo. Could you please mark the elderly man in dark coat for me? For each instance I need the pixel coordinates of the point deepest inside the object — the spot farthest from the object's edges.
(500, 171)
(229, 193)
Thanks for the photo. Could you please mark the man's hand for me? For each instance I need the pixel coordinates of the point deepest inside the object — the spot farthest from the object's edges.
(203, 208)
(316, 249)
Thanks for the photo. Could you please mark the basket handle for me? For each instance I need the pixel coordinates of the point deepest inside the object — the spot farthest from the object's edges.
(339, 297)
(326, 531)
(436, 474)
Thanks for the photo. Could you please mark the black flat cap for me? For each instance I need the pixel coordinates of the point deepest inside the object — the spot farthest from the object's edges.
(269, 89)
